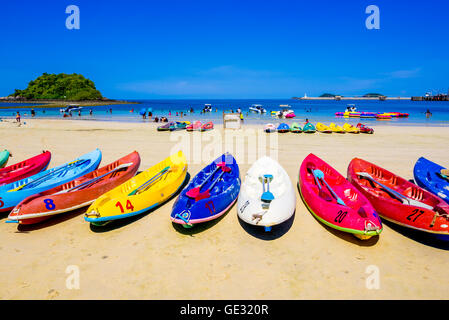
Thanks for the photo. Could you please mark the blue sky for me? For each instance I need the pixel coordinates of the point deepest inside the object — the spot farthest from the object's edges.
(229, 49)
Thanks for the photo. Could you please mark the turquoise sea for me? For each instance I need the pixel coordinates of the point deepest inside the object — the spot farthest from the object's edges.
(314, 110)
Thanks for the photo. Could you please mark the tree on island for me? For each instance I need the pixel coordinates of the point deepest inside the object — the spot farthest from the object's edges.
(59, 87)
(328, 95)
(373, 95)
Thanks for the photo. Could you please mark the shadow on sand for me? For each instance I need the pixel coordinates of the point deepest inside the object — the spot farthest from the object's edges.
(419, 236)
(56, 219)
(120, 223)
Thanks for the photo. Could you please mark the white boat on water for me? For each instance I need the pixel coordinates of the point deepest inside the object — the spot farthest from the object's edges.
(257, 108)
(71, 108)
(207, 108)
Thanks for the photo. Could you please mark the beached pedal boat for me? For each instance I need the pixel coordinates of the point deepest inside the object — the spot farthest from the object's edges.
(13, 193)
(309, 128)
(336, 202)
(207, 126)
(267, 196)
(4, 156)
(428, 175)
(147, 190)
(25, 169)
(321, 127)
(295, 128)
(210, 194)
(269, 128)
(196, 126)
(77, 193)
(400, 201)
(283, 128)
(336, 128)
(350, 128)
(365, 129)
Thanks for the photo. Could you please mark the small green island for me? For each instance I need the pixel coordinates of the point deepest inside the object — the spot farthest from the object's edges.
(56, 90)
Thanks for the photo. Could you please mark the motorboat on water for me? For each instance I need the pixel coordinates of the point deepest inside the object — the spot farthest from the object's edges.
(207, 108)
(71, 108)
(285, 112)
(257, 108)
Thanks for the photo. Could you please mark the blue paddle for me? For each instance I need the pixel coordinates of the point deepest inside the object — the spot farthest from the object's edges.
(144, 186)
(267, 196)
(320, 175)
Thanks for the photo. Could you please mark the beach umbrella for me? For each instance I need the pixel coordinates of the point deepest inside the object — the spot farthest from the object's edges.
(150, 110)
(142, 111)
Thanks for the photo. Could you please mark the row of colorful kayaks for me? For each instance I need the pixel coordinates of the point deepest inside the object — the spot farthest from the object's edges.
(266, 197)
(187, 125)
(320, 127)
(378, 115)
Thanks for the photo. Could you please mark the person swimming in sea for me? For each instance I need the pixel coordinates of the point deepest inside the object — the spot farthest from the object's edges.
(428, 113)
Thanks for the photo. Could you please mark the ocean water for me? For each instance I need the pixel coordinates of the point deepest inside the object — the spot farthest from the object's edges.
(314, 110)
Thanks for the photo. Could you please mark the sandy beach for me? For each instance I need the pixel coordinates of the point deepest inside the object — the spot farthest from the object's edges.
(149, 258)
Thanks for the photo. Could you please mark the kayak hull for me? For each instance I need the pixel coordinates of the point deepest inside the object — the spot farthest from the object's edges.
(252, 209)
(434, 222)
(36, 208)
(157, 185)
(25, 168)
(188, 212)
(13, 193)
(4, 157)
(426, 174)
(357, 216)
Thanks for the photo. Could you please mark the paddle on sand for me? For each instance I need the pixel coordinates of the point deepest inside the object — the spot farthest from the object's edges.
(320, 175)
(194, 192)
(404, 199)
(206, 194)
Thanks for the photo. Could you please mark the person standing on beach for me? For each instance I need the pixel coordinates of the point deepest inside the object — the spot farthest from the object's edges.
(150, 115)
(33, 113)
(428, 114)
(18, 117)
(144, 115)
(79, 113)
(90, 112)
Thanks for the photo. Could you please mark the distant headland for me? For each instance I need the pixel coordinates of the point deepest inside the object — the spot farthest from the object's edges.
(55, 90)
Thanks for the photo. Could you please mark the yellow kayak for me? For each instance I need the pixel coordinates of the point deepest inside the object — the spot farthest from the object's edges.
(320, 127)
(350, 128)
(145, 191)
(336, 128)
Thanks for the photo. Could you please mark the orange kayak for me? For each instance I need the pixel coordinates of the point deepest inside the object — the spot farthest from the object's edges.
(77, 193)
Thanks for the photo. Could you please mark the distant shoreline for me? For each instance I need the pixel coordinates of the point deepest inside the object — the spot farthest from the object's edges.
(63, 103)
(351, 98)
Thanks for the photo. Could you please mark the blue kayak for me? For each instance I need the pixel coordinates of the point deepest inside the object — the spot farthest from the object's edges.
(13, 193)
(283, 127)
(209, 194)
(427, 175)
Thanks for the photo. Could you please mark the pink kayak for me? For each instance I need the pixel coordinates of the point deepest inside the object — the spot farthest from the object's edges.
(336, 202)
(195, 126)
(25, 169)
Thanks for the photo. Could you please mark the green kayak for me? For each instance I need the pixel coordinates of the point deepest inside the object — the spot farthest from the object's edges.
(295, 128)
(4, 156)
(309, 128)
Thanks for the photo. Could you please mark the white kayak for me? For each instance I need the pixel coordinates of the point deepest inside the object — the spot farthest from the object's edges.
(267, 196)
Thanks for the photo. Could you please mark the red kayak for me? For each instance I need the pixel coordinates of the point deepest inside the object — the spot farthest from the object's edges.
(334, 201)
(25, 168)
(195, 126)
(365, 129)
(208, 126)
(77, 193)
(400, 201)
